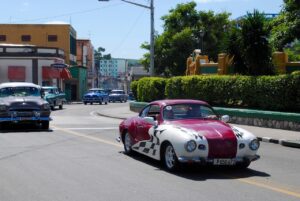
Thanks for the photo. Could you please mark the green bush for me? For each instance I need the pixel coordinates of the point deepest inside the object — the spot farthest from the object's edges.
(279, 93)
(150, 89)
(133, 87)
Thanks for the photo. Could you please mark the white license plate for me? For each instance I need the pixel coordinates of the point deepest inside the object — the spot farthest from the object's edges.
(224, 161)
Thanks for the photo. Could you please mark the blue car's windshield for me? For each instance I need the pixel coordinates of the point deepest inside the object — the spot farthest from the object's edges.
(19, 91)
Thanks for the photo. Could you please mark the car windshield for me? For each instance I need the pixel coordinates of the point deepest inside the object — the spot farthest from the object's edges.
(117, 92)
(188, 111)
(48, 91)
(96, 91)
(19, 91)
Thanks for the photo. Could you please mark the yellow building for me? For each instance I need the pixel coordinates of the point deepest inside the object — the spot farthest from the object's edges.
(62, 36)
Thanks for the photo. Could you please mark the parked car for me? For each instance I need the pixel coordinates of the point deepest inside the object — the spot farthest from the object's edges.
(22, 102)
(187, 131)
(117, 95)
(54, 96)
(95, 95)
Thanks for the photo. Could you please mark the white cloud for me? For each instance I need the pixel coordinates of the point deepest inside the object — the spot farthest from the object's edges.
(56, 22)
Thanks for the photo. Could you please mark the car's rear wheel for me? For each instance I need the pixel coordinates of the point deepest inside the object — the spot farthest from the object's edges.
(84, 103)
(169, 158)
(127, 144)
(61, 106)
(45, 125)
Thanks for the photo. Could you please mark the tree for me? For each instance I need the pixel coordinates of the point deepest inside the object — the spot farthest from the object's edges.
(286, 27)
(181, 36)
(256, 49)
(98, 56)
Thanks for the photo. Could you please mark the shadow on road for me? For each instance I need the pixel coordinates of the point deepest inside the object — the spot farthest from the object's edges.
(20, 128)
(202, 173)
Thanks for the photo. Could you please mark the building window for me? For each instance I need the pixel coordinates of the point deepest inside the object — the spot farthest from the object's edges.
(52, 38)
(2, 37)
(25, 38)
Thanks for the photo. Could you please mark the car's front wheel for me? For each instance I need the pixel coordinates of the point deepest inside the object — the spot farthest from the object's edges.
(169, 158)
(61, 106)
(127, 144)
(45, 125)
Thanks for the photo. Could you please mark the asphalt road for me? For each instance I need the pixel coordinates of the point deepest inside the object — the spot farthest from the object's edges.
(79, 160)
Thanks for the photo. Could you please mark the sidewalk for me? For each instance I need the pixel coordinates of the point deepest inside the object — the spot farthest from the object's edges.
(276, 136)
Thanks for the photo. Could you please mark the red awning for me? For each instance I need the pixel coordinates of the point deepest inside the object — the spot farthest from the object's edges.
(65, 74)
(16, 73)
(50, 73)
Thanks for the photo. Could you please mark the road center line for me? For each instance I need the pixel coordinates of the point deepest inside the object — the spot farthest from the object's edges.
(103, 128)
(266, 186)
(86, 136)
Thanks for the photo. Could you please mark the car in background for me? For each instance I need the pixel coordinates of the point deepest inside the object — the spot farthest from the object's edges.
(95, 95)
(187, 131)
(54, 96)
(118, 95)
(22, 102)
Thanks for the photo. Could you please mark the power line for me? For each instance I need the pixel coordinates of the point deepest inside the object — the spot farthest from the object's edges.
(66, 14)
(128, 33)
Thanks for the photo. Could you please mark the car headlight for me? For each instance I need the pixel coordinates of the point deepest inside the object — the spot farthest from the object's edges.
(46, 106)
(190, 146)
(254, 144)
(2, 107)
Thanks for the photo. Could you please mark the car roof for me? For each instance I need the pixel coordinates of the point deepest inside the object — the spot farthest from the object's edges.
(18, 84)
(96, 89)
(178, 101)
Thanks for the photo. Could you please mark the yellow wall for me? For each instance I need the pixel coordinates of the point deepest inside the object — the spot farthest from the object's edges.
(39, 35)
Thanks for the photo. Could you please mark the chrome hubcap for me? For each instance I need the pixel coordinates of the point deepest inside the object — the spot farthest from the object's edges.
(170, 157)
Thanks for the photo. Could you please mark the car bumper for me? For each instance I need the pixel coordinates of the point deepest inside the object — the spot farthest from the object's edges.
(19, 119)
(211, 161)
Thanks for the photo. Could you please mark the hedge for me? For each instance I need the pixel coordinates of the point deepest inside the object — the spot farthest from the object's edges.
(150, 89)
(278, 93)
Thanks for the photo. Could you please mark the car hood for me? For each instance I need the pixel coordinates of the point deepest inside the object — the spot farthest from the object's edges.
(31, 101)
(220, 136)
(207, 128)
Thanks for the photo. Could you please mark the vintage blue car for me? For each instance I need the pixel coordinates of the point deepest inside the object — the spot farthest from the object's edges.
(95, 95)
(54, 96)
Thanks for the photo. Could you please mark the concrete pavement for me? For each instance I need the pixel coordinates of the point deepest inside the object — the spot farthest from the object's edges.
(276, 136)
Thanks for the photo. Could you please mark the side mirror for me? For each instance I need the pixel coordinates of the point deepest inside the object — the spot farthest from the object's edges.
(225, 118)
(150, 120)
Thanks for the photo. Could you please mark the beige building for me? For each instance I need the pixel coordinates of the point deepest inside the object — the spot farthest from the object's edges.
(62, 36)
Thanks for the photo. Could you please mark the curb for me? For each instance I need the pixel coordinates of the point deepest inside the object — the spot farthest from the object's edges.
(283, 142)
(109, 116)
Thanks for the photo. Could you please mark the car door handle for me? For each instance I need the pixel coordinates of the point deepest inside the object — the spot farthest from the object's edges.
(140, 126)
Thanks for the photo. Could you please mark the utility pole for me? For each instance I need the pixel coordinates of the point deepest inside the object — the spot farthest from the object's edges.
(151, 8)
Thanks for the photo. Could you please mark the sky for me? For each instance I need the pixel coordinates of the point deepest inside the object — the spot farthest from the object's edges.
(117, 26)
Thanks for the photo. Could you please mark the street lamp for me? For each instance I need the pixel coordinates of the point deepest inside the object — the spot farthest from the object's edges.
(151, 8)
(202, 35)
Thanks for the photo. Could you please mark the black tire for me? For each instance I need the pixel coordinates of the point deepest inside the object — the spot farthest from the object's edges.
(61, 106)
(127, 147)
(91, 103)
(171, 163)
(52, 107)
(105, 102)
(45, 125)
(84, 103)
